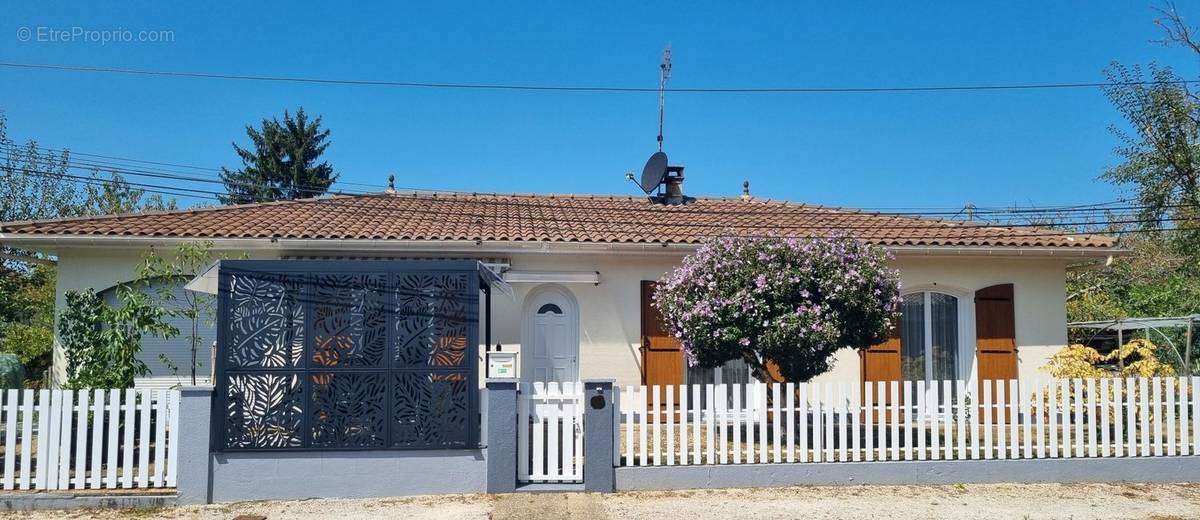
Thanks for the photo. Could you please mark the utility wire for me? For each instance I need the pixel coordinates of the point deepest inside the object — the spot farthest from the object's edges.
(575, 225)
(583, 88)
(1031, 212)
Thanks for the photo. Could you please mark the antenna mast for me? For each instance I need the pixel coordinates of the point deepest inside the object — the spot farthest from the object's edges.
(665, 74)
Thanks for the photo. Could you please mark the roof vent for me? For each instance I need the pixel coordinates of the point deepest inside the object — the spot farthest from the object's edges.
(746, 191)
(674, 184)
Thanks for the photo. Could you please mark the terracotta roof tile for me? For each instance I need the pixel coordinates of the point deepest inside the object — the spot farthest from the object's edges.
(552, 218)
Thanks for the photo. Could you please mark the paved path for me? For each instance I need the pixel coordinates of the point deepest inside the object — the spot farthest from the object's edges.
(974, 502)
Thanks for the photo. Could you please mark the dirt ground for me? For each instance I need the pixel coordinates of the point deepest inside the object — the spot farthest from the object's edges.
(977, 502)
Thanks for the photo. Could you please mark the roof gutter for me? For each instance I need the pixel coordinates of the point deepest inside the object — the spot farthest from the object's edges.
(53, 243)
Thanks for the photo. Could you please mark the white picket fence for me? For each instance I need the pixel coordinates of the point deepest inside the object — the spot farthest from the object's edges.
(944, 420)
(550, 432)
(89, 439)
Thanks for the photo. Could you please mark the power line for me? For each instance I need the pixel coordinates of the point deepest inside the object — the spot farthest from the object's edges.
(564, 224)
(582, 88)
(189, 176)
(1030, 212)
(1111, 216)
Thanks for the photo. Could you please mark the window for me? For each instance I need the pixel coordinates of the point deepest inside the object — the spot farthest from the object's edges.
(549, 308)
(929, 336)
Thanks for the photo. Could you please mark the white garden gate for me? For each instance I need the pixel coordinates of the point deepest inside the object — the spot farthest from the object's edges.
(550, 433)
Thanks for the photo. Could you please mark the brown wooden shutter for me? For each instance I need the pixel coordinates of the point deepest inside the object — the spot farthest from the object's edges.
(995, 334)
(881, 363)
(662, 354)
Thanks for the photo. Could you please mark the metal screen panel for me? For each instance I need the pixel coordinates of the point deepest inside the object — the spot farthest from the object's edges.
(336, 355)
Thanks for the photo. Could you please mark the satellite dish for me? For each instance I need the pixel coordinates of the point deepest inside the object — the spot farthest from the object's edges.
(653, 173)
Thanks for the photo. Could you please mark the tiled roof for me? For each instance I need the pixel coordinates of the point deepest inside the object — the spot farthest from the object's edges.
(548, 218)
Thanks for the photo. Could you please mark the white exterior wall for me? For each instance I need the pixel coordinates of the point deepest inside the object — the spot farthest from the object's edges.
(610, 315)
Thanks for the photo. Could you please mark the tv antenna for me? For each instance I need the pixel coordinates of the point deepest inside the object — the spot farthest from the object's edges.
(664, 75)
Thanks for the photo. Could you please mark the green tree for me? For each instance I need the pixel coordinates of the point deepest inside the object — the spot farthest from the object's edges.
(281, 163)
(36, 183)
(189, 259)
(116, 196)
(102, 342)
(784, 301)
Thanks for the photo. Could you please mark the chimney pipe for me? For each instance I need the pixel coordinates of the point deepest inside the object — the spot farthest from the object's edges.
(674, 182)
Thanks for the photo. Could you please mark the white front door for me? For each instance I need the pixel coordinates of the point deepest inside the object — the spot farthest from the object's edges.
(553, 348)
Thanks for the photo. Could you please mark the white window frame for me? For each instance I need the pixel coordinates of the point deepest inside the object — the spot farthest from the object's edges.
(965, 365)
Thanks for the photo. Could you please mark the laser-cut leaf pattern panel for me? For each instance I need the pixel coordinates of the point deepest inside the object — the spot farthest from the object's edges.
(264, 410)
(265, 321)
(348, 410)
(430, 410)
(431, 326)
(349, 320)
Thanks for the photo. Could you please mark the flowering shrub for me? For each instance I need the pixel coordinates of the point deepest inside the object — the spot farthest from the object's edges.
(789, 301)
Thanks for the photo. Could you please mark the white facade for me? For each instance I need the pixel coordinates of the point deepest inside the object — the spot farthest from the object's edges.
(608, 316)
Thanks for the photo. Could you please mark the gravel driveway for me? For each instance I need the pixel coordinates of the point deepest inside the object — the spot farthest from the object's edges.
(977, 502)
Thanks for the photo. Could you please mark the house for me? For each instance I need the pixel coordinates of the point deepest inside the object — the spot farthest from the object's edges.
(979, 301)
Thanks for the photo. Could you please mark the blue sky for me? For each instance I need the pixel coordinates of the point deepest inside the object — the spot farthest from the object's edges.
(861, 150)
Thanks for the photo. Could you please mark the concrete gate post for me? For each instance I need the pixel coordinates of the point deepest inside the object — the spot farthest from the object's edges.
(195, 439)
(599, 428)
(501, 435)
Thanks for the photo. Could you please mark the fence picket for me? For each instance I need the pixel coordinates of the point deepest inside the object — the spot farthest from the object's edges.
(760, 402)
(1067, 416)
(1118, 385)
(947, 422)
(790, 426)
(111, 455)
(523, 424)
(630, 423)
(1156, 415)
(10, 436)
(998, 414)
(805, 421)
(894, 419)
(829, 442)
(1131, 432)
(961, 414)
(567, 408)
(683, 425)
(709, 433)
(735, 417)
(842, 426)
(868, 414)
(1104, 420)
(1079, 396)
(26, 437)
(777, 423)
(173, 438)
(722, 422)
(160, 433)
(855, 410)
(818, 430)
(551, 409)
(1144, 402)
(1172, 387)
(143, 449)
(1013, 418)
(987, 412)
(697, 401)
(81, 435)
(669, 413)
(1195, 401)
(656, 423)
(1184, 445)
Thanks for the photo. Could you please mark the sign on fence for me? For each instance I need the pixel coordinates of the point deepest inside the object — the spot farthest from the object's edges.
(909, 420)
(89, 439)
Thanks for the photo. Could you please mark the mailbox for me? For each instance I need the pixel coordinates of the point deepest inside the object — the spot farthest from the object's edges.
(504, 362)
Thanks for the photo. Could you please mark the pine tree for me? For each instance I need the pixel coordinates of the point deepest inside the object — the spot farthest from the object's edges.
(281, 163)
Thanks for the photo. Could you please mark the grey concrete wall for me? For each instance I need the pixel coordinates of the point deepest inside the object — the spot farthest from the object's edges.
(501, 435)
(195, 411)
(1150, 469)
(342, 474)
(598, 430)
